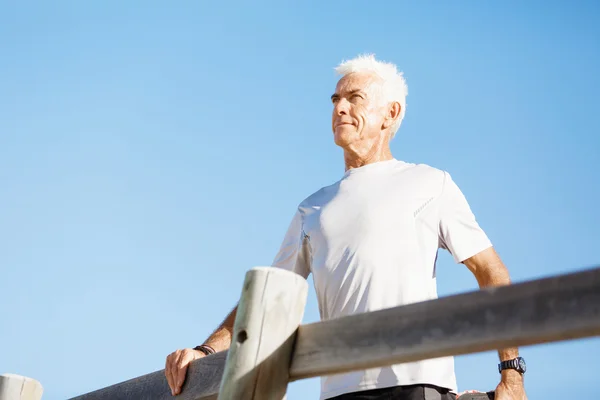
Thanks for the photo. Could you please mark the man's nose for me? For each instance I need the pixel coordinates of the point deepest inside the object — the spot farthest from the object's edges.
(341, 107)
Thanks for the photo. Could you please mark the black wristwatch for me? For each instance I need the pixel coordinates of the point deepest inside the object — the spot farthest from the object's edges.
(517, 364)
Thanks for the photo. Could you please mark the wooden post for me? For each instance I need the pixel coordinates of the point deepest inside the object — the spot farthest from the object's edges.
(269, 313)
(16, 387)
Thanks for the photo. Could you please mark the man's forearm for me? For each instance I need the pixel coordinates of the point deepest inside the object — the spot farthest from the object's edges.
(489, 273)
(220, 339)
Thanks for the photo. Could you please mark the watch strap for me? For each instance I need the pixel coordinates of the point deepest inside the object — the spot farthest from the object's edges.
(515, 363)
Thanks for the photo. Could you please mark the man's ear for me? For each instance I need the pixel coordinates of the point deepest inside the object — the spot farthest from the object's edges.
(392, 115)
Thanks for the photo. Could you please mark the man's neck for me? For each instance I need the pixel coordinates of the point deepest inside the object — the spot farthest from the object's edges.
(359, 157)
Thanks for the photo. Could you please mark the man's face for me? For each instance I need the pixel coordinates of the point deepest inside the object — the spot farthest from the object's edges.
(358, 112)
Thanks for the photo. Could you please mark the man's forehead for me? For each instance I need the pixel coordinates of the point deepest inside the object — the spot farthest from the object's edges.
(358, 81)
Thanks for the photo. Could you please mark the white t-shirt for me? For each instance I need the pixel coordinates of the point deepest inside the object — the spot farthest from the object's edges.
(371, 242)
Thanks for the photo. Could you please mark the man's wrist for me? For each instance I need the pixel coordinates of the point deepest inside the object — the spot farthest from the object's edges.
(206, 349)
(517, 364)
(512, 377)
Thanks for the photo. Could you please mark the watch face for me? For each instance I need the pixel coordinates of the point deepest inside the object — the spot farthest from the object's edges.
(522, 365)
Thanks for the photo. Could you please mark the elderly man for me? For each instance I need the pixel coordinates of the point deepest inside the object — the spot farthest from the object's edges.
(371, 242)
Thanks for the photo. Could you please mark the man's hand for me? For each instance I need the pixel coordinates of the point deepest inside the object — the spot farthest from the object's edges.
(178, 361)
(511, 386)
(177, 365)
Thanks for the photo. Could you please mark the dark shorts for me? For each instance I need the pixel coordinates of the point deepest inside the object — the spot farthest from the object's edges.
(412, 392)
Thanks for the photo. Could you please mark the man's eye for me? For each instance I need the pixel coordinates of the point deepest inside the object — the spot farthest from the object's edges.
(356, 96)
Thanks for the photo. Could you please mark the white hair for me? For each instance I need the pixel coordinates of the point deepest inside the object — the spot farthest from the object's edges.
(394, 86)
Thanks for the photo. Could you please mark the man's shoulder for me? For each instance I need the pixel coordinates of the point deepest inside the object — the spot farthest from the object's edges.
(318, 196)
(424, 173)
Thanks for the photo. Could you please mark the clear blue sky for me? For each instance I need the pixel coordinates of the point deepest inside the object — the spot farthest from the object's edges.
(152, 152)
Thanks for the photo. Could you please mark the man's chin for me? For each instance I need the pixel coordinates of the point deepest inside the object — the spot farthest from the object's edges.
(343, 139)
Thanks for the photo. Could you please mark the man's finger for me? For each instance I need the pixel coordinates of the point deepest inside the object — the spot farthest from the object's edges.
(173, 372)
(168, 373)
(182, 367)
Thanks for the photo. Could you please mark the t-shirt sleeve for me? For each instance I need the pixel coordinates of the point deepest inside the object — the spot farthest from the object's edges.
(459, 232)
(294, 252)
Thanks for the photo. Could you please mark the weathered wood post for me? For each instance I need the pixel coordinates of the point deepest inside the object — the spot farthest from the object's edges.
(269, 313)
(16, 387)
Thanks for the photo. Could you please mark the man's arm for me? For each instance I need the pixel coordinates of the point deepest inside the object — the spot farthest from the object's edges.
(220, 339)
(177, 362)
(291, 257)
(490, 271)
